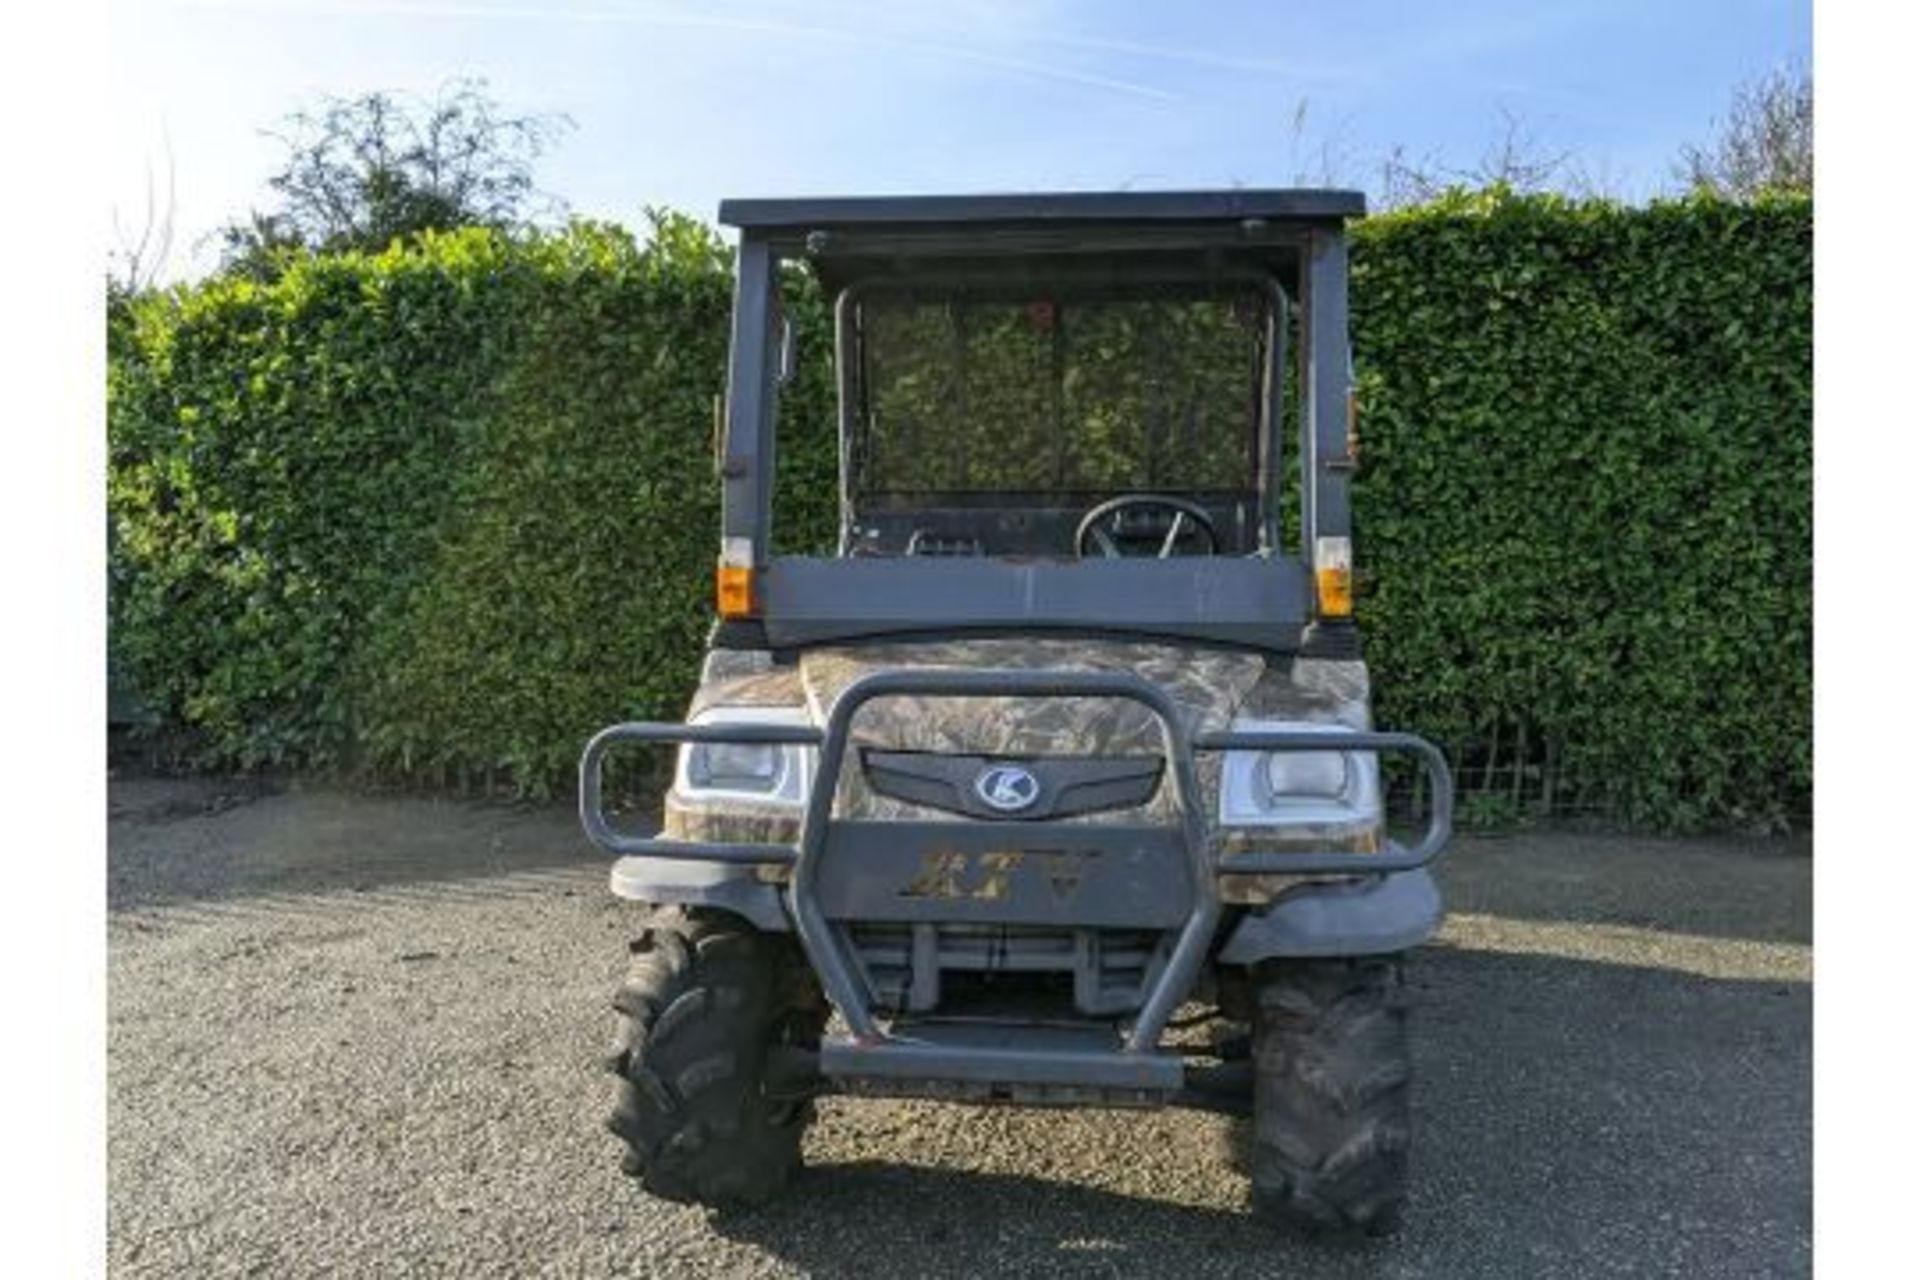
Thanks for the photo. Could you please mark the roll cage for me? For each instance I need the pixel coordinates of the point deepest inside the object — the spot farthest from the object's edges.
(1290, 243)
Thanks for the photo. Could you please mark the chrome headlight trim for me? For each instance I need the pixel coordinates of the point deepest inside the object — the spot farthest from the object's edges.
(1250, 782)
(790, 780)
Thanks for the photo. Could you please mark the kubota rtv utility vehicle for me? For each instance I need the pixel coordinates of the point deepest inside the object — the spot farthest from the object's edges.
(1067, 748)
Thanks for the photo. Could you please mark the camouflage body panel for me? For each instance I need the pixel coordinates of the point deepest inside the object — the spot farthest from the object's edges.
(726, 664)
(732, 820)
(774, 687)
(1313, 690)
(1206, 684)
(1211, 687)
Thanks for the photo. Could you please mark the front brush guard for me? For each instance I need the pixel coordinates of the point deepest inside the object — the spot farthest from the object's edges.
(1136, 1060)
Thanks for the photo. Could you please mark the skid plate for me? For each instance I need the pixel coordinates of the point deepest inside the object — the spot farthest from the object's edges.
(1002, 1055)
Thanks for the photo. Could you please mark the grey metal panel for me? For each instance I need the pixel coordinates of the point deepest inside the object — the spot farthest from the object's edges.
(747, 461)
(1350, 918)
(1254, 602)
(1005, 873)
(1325, 464)
(700, 884)
(1088, 206)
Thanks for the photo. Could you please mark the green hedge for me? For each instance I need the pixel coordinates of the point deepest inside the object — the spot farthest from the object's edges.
(440, 512)
(435, 512)
(1586, 499)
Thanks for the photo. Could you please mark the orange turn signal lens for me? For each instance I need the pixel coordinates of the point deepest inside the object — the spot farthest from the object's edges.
(733, 591)
(1333, 577)
(1336, 592)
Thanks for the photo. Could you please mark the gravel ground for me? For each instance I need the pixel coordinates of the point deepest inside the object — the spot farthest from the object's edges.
(360, 1036)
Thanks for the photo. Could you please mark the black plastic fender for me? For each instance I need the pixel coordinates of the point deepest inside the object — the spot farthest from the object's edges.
(1375, 916)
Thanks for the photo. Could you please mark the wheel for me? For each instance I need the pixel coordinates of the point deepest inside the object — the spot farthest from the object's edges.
(1331, 1073)
(708, 1003)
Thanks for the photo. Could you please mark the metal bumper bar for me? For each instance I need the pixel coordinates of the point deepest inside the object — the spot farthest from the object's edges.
(593, 815)
(823, 944)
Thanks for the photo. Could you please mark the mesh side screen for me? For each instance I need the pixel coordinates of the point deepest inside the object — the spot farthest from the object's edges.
(1053, 392)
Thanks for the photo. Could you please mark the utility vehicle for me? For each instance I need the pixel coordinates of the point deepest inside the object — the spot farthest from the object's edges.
(1057, 782)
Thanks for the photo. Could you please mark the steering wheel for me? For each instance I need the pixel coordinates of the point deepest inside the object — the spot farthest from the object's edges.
(1095, 525)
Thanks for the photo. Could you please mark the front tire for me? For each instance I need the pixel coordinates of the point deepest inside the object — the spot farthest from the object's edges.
(707, 1004)
(1331, 1075)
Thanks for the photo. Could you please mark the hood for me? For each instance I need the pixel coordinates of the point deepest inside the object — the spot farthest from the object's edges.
(1207, 685)
(1211, 687)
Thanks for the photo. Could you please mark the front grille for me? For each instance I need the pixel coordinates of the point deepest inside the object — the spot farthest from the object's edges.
(1063, 786)
(923, 968)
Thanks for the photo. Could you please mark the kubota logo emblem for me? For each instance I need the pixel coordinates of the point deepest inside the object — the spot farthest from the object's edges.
(1007, 787)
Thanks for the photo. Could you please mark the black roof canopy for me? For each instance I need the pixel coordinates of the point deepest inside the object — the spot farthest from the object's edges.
(1043, 209)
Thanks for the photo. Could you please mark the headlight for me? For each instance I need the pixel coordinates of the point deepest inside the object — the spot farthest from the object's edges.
(778, 774)
(1273, 788)
(1300, 775)
(733, 766)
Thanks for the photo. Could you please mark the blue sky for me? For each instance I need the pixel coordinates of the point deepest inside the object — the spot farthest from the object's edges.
(681, 102)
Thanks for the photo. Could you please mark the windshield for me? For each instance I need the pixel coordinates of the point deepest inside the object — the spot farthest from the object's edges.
(1058, 391)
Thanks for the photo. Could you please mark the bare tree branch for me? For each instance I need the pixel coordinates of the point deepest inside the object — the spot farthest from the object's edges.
(1327, 164)
(1765, 143)
(361, 172)
(1514, 159)
(135, 262)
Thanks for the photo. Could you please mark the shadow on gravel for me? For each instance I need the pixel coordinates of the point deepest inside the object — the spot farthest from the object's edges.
(868, 1218)
(174, 841)
(1571, 1118)
(1760, 889)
